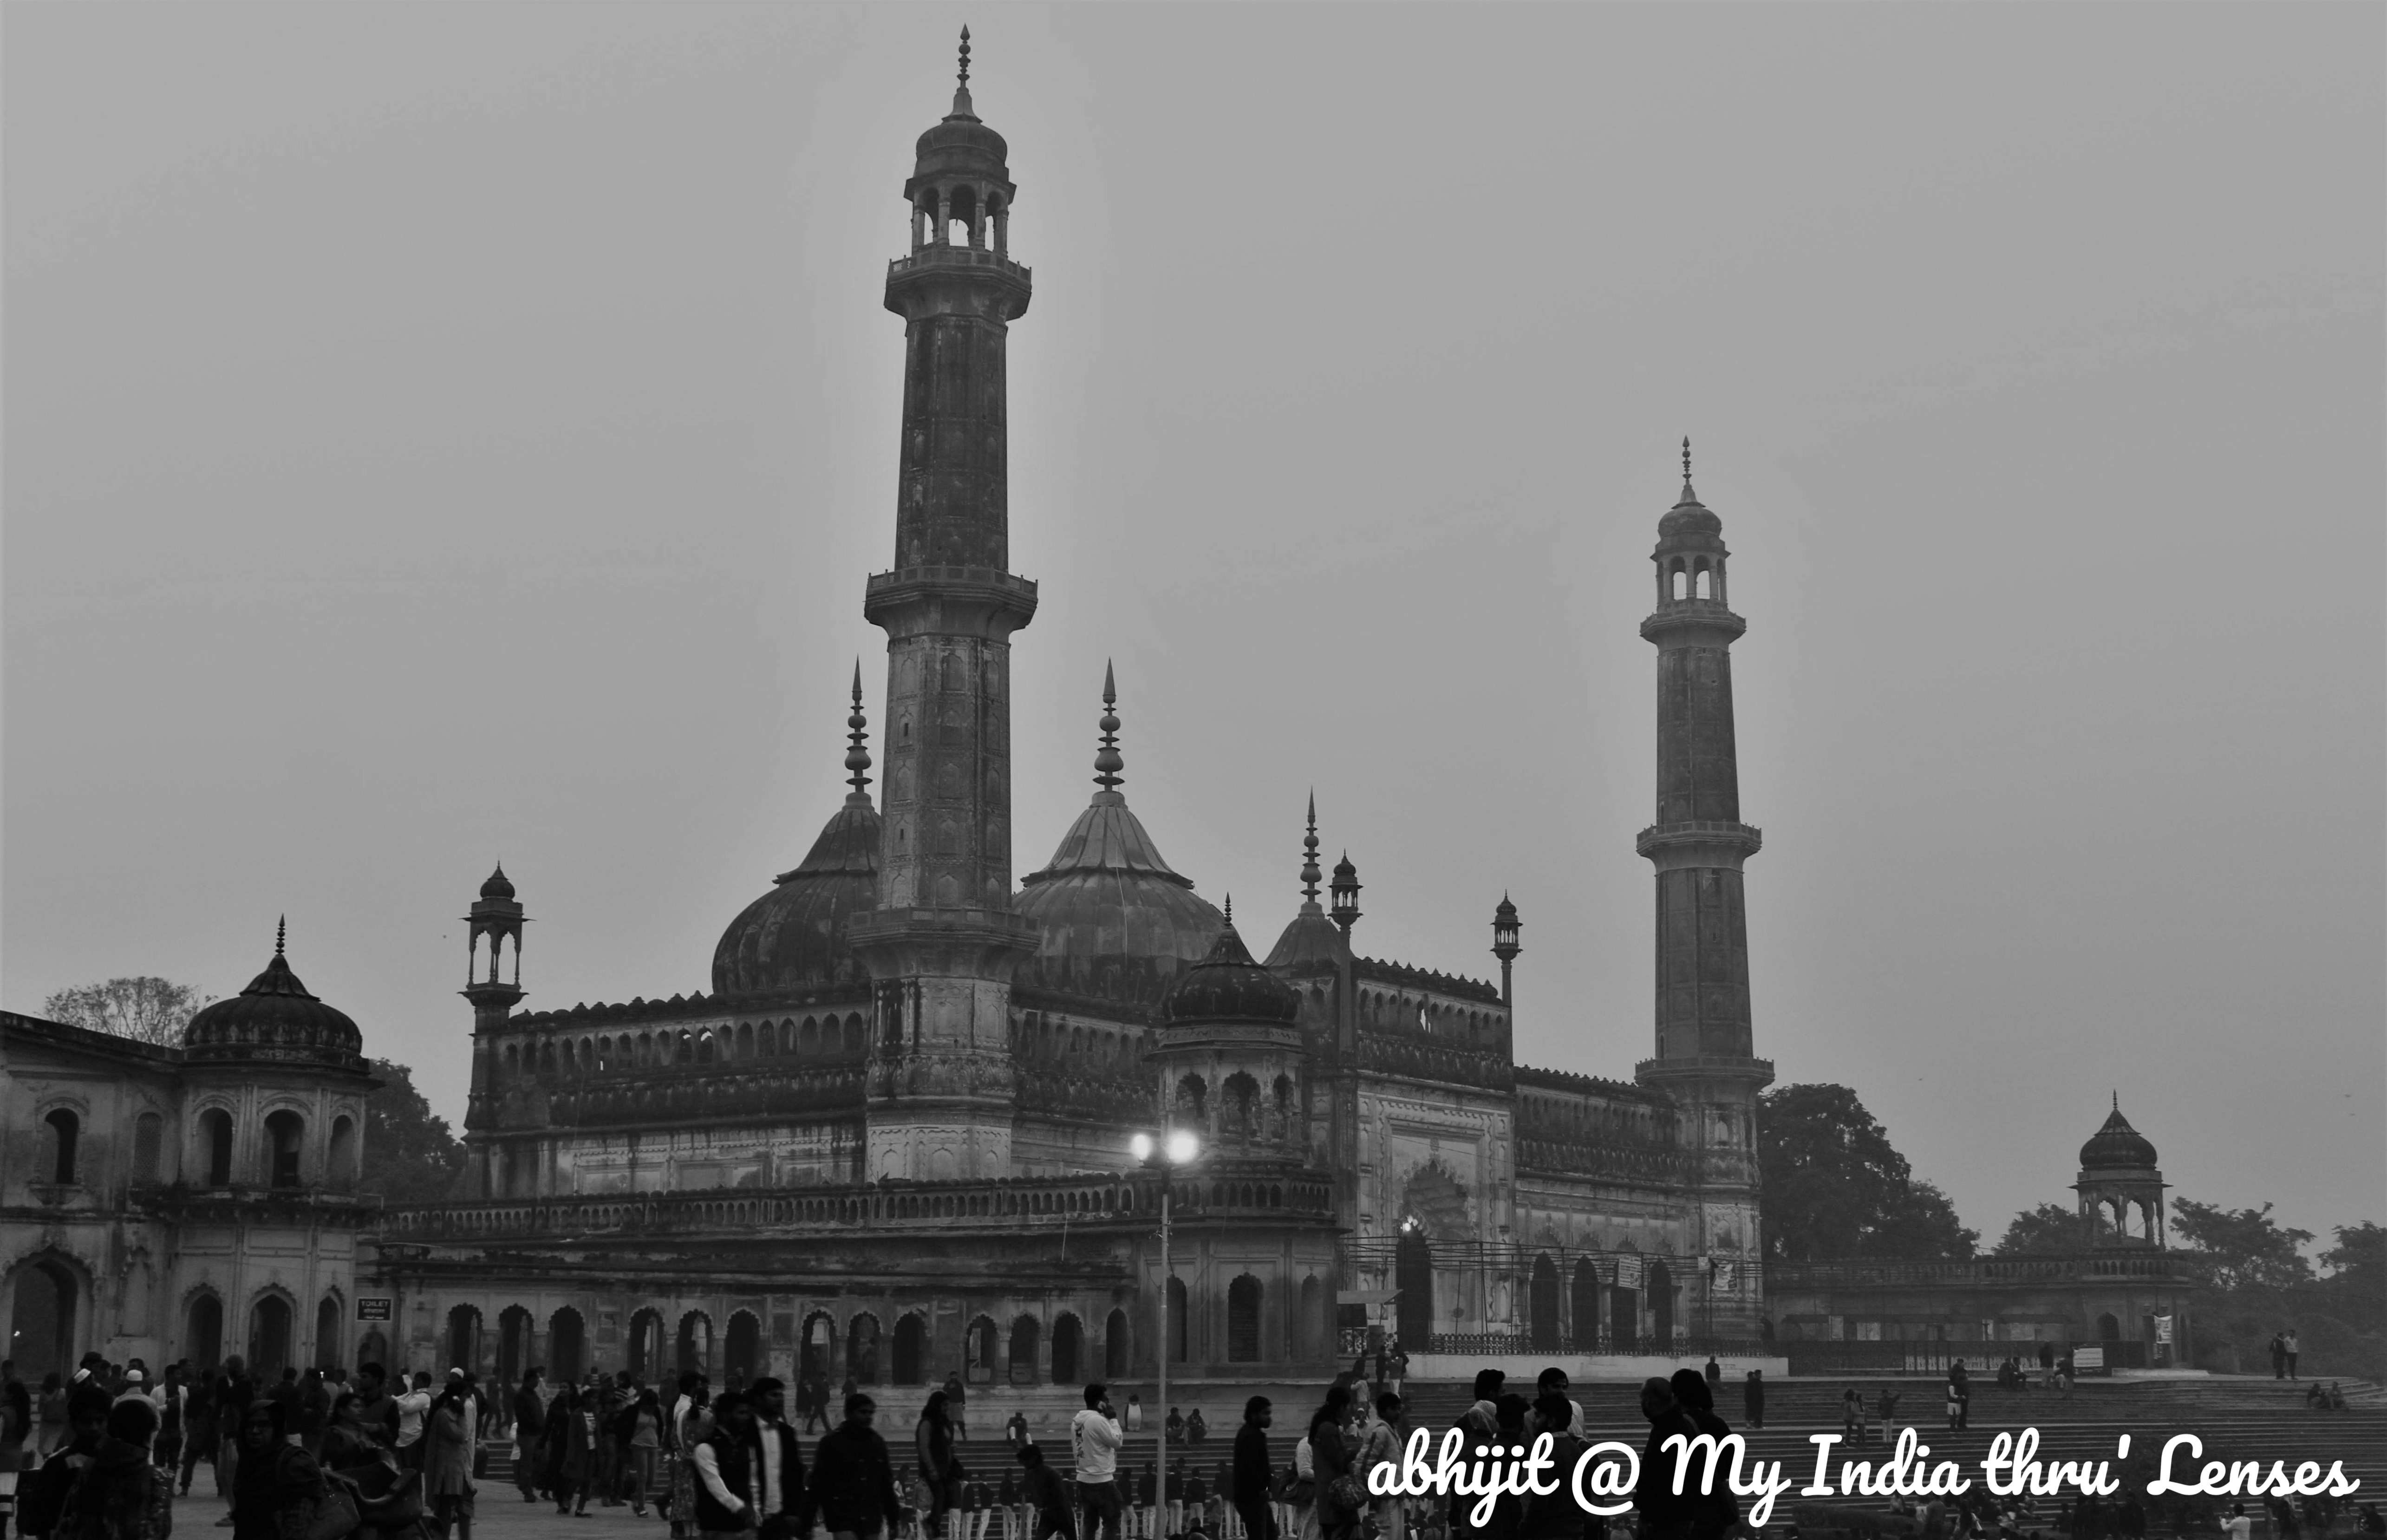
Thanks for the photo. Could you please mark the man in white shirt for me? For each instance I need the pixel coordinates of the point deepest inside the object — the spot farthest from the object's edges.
(411, 1406)
(1094, 1439)
(2238, 1526)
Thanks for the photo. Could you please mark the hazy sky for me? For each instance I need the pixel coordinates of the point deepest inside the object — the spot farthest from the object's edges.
(436, 432)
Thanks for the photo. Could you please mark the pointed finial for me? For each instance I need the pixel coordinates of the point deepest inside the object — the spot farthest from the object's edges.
(1107, 763)
(1230, 911)
(965, 77)
(857, 758)
(281, 929)
(2117, 1100)
(1310, 874)
(1688, 496)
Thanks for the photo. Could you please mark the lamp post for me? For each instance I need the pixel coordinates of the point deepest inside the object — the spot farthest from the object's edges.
(1172, 1149)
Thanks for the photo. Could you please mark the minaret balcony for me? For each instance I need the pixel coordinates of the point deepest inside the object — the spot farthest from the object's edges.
(951, 592)
(1694, 622)
(1698, 842)
(935, 257)
(964, 278)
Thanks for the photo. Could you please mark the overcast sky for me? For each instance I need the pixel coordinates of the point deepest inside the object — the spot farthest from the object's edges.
(436, 432)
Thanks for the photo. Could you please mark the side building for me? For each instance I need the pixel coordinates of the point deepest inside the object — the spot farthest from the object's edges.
(192, 1201)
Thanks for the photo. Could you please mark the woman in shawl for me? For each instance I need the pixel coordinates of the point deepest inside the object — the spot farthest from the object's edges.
(933, 1438)
(1332, 1453)
(575, 1420)
(448, 1462)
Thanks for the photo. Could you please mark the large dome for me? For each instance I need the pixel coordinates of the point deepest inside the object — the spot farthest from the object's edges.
(2118, 1146)
(793, 936)
(274, 1018)
(1117, 923)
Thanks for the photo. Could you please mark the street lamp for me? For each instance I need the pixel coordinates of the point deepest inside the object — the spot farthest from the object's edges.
(1175, 1147)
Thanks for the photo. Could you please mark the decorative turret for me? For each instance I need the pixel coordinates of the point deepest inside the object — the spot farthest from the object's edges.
(942, 943)
(1504, 941)
(1346, 896)
(1229, 1055)
(2121, 1190)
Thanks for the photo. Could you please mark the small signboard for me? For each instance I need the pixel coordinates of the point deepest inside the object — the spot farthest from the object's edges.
(2089, 1361)
(372, 1307)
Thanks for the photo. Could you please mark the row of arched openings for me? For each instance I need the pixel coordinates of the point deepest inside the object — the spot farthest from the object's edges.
(601, 1053)
(280, 1148)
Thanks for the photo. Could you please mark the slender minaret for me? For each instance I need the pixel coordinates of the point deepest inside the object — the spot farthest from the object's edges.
(943, 941)
(1698, 845)
(496, 922)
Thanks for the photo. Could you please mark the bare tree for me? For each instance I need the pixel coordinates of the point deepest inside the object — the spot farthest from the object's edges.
(146, 1010)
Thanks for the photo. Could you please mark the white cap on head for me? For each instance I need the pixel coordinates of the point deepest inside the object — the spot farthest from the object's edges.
(132, 1376)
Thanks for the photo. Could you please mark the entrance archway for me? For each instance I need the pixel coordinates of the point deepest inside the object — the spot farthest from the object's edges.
(327, 1331)
(1661, 1306)
(1244, 1319)
(1542, 1305)
(1624, 1319)
(463, 1337)
(513, 1344)
(861, 1349)
(647, 1346)
(1025, 1332)
(567, 1345)
(820, 1339)
(742, 1357)
(1118, 1346)
(1413, 1276)
(1067, 1339)
(1587, 1306)
(911, 1351)
(269, 1338)
(203, 1335)
(44, 1329)
(695, 1345)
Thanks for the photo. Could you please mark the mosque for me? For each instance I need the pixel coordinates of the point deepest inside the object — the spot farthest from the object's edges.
(891, 1141)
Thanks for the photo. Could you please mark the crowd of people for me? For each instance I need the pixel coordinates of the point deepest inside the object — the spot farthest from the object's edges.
(100, 1455)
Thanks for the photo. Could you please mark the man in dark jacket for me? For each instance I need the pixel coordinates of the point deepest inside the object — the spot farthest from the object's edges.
(1254, 1470)
(1663, 1515)
(44, 1498)
(784, 1509)
(1752, 1398)
(530, 1433)
(854, 1477)
(1047, 1497)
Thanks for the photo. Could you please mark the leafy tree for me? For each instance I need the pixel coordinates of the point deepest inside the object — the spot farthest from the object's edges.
(2242, 1247)
(410, 1156)
(145, 1009)
(1834, 1186)
(2356, 1285)
(2046, 1231)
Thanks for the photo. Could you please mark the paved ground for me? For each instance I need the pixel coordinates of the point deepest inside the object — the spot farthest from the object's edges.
(499, 1514)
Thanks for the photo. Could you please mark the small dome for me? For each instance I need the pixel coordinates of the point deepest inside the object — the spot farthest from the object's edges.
(2118, 1146)
(1310, 938)
(793, 936)
(1226, 985)
(497, 886)
(274, 1018)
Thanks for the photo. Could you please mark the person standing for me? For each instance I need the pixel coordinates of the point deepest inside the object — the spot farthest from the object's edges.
(414, 1412)
(1332, 1453)
(957, 1406)
(234, 1392)
(690, 1424)
(854, 1477)
(171, 1399)
(446, 1466)
(122, 1496)
(784, 1512)
(2289, 1343)
(2279, 1346)
(530, 1433)
(1094, 1439)
(572, 1434)
(1381, 1445)
(932, 1439)
(1134, 1412)
(1555, 1516)
(1662, 1512)
(1253, 1471)
(645, 1419)
(1960, 1390)
(723, 1462)
(1752, 1398)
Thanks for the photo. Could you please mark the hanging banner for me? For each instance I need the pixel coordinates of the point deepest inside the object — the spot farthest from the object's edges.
(2163, 1328)
(1628, 1271)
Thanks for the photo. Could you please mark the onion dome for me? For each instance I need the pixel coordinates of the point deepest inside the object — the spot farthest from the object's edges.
(1311, 937)
(2118, 1146)
(793, 936)
(1227, 986)
(498, 886)
(1689, 521)
(1115, 921)
(274, 1018)
(961, 145)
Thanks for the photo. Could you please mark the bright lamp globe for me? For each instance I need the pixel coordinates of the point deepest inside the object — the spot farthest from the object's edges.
(1182, 1147)
(1140, 1146)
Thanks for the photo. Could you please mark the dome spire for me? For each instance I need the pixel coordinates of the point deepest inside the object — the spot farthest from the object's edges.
(857, 757)
(960, 88)
(1688, 496)
(280, 927)
(1310, 874)
(1229, 910)
(1107, 763)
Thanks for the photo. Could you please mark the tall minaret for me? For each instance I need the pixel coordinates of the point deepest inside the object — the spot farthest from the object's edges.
(1698, 844)
(496, 922)
(943, 941)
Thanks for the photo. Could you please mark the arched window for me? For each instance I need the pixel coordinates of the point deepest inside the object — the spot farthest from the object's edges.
(1585, 1291)
(1068, 1342)
(214, 1130)
(513, 1343)
(284, 1129)
(1661, 1306)
(327, 1331)
(646, 1348)
(42, 1331)
(2108, 1328)
(1241, 1107)
(1026, 1333)
(1243, 1320)
(1413, 1276)
(203, 1332)
(149, 1146)
(66, 1129)
(1314, 1331)
(342, 1162)
(819, 1336)
(911, 1349)
(694, 1347)
(1193, 1101)
(1178, 1336)
(463, 1338)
